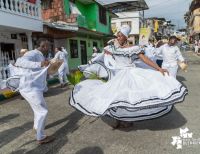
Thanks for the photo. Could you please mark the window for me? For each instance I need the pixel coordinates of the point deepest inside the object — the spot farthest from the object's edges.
(126, 23)
(74, 48)
(102, 15)
(46, 4)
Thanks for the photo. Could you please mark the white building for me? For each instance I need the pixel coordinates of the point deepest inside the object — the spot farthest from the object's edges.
(133, 19)
(18, 19)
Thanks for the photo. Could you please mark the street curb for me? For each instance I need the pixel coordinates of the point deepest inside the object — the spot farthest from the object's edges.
(9, 94)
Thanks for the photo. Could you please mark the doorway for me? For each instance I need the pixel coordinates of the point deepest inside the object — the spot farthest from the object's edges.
(83, 52)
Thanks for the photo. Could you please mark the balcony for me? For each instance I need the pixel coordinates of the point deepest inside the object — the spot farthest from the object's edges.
(21, 14)
(91, 25)
(83, 22)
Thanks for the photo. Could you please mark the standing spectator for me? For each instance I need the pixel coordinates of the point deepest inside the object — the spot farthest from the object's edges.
(159, 59)
(196, 46)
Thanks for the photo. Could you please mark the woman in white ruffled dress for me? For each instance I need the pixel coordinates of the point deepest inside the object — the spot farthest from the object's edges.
(130, 94)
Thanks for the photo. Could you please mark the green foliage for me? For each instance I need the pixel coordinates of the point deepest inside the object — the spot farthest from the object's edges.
(76, 77)
(96, 77)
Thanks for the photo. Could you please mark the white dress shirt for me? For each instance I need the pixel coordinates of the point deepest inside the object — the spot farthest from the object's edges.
(170, 54)
(34, 76)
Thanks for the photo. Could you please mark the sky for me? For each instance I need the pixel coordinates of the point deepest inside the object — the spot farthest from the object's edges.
(173, 10)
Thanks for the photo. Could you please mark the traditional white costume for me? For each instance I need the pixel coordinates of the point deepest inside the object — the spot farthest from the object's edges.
(64, 69)
(95, 67)
(150, 52)
(171, 55)
(131, 93)
(32, 83)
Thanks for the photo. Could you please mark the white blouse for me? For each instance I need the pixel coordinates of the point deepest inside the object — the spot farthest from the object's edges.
(121, 57)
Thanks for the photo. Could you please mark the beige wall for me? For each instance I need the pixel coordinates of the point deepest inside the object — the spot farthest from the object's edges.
(196, 22)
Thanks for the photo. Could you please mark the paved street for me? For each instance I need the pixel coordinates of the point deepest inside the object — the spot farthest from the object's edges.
(79, 134)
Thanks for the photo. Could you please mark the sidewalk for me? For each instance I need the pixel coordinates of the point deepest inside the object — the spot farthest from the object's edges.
(7, 93)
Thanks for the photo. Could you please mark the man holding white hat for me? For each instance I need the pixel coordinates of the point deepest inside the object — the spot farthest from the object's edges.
(171, 56)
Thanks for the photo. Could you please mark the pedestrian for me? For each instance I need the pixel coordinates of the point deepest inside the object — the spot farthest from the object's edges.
(61, 54)
(196, 46)
(171, 56)
(32, 85)
(159, 59)
(95, 52)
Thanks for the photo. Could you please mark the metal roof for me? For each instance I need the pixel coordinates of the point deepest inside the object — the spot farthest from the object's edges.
(116, 6)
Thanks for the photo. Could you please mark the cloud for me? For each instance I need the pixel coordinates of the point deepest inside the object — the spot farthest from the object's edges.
(170, 9)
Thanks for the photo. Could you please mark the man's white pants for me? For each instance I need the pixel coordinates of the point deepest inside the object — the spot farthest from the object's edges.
(62, 71)
(172, 70)
(39, 107)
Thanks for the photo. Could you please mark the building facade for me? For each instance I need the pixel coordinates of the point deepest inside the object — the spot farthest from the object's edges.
(18, 19)
(160, 27)
(192, 18)
(134, 19)
(77, 25)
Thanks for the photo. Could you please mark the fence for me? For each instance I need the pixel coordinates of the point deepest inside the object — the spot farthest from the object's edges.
(5, 60)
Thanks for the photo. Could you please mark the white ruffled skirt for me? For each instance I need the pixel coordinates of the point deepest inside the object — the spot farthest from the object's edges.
(132, 94)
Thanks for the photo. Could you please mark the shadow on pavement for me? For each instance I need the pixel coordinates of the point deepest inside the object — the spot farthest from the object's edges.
(11, 134)
(7, 118)
(53, 91)
(181, 79)
(60, 135)
(90, 150)
(172, 120)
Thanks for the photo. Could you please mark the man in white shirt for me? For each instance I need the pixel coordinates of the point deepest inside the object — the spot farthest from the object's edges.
(32, 85)
(171, 56)
(62, 54)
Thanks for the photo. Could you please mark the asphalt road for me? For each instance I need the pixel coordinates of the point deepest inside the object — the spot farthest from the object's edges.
(79, 134)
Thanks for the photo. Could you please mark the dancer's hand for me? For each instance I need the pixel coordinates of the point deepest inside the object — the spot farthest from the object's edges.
(45, 63)
(107, 52)
(163, 71)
